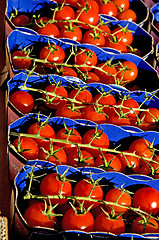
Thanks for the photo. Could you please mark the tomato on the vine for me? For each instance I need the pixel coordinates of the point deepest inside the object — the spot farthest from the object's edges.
(63, 15)
(55, 184)
(22, 100)
(95, 37)
(116, 44)
(151, 116)
(68, 110)
(66, 71)
(80, 158)
(72, 32)
(128, 15)
(21, 20)
(122, 4)
(140, 226)
(127, 71)
(129, 107)
(53, 102)
(90, 77)
(106, 73)
(94, 114)
(85, 57)
(105, 99)
(22, 62)
(108, 8)
(83, 96)
(123, 34)
(50, 29)
(88, 16)
(37, 215)
(88, 187)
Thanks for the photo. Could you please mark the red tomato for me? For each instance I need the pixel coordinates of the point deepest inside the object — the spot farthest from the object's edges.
(52, 53)
(54, 154)
(27, 147)
(68, 111)
(44, 130)
(63, 15)
(22, 100)
(83, 96)
(53, 102)
(90, 77)
(21, 20)
(88, 16)
(94, 114)
(80, 158)
(105, 99)
(123, 34)
(151, 169)
(89, 3)
(94, 37)
(109, 162)
(128, 15)
(54, 184)
(66, 71)
(49, 29)
(103, 223)
(122, 4)
(105, 30)
(147, 199)
(130, 107)
(85, 57)
(87, 188)
(72, 220)
(115, 117)
(127, 71)
(41, 21)
(72, 32)
(139, 226)
(21, 63)
(116, 44)
(106, 73)
(116, 195)
(36, 215)
(95, 138)
(73, 136)
(130, 164)
(151, 116)
(143, 148)
(108, 8)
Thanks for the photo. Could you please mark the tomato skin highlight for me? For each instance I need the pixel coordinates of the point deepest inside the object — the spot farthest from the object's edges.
(35, 218)
(72, 221)
(147, 199)
(104, 224)
(23, 101)
(51, 185)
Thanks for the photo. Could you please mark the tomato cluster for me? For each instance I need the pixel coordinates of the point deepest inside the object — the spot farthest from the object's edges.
(87, 204)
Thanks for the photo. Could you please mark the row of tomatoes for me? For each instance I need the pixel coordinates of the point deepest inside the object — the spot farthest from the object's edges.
(89, 205)
(79, 103)
(68, 147)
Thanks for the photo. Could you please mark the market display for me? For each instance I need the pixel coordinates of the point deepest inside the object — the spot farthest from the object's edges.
(83, 113)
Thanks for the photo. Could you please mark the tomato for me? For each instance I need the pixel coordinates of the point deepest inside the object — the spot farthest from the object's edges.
(108, 8)
(123, 34)
(96, 138)
(127, 71)
(105, 30)
(151, 116)
(105, 99)
(72, 32)
(54, 184)
(85, 57)
(89, 3)
(66, 71)
(128, 15)
(83, 96)
(72, 220)
(122, 4)
(43, 130)
(90, 77)
(54, 154)
(37, 215)
(63, 15)
(140, 226)
(21, 63)
(88, 188)
(53, 102)
(40, 22)
(151, 169)
(129, 107)
(21, 20)
(130, 164)
(94, 37)
(69, 111)
(27, 147)
(88, 16)
(80, 158)
(106, 72)
(108, 162)
(103, 223)
(22, 100)
(143, 148)
(73, 136)
(52, 53)
(49, 29)
(94, 114)
(116, 195)
(147, 199)
(116, 44)
(114, 116)
(70, 2)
